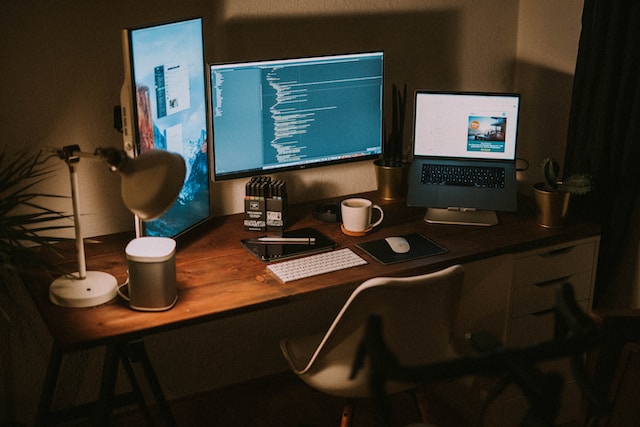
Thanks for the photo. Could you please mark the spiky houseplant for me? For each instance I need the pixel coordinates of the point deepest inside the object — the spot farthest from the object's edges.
(574, 184)
(392, 166)
(24, 220)
(393, 145)
(553, 195)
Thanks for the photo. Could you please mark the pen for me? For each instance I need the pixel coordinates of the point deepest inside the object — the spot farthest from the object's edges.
(285, 240)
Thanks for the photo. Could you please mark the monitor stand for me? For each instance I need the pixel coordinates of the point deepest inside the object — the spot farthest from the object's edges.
(461, 216)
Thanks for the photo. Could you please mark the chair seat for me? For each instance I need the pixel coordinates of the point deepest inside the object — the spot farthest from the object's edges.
(418, 314)
(330, 377)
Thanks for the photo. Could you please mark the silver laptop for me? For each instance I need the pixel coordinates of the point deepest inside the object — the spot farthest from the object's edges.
(464, 150)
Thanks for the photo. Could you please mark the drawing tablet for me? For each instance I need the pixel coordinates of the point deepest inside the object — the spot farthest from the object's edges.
(275, 251)
(420, 245)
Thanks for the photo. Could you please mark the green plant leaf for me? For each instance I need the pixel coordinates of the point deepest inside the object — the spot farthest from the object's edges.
(25, 221)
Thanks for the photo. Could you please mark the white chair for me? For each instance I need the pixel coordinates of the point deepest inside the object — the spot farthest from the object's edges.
(417, 315)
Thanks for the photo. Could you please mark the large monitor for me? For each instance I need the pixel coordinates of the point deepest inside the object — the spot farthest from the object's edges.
(270, 116)
(163, 105)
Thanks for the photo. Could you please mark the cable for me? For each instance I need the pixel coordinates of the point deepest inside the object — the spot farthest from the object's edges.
(526, 164)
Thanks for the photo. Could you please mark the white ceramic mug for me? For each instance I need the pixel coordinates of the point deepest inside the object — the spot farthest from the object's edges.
(357, 213)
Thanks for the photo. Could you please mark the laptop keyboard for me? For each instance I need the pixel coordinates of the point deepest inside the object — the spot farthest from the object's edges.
(466, 176)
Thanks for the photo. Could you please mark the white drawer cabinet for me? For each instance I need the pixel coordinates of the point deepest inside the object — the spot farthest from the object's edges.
(536, 276)
(518, 311)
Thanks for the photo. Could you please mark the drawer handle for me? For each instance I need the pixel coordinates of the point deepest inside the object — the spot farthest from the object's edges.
(544, 312)
(560, 251)
(552, 282)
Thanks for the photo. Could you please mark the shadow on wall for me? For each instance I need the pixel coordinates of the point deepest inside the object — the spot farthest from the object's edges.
(544, 118)
(420, 48)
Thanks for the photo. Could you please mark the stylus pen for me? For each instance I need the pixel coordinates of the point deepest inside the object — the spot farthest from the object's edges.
(285, 240)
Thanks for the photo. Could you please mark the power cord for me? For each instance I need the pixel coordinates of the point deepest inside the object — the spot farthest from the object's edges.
(522, 168)
(122, 285)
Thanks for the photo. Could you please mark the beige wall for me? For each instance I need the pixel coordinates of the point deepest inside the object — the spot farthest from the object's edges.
(548, 35)
(61, 76)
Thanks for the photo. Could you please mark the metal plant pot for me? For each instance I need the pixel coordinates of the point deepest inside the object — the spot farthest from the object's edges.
(392, 180)
(553, 206)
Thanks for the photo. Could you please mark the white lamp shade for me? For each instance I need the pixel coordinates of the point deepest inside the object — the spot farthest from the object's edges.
(151, 182)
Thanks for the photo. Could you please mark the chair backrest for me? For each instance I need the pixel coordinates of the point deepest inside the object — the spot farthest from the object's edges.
(417, 317)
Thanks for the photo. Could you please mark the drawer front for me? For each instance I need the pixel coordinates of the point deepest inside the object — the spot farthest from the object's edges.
(538, 297)
(553, 264)
(534, 328)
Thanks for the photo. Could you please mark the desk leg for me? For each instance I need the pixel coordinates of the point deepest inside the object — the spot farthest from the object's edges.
(128, 353)
(49, 386)
(137, 352)
(107, 385)
(135, 385)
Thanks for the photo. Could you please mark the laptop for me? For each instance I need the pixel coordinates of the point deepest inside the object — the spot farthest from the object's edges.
(464, 156)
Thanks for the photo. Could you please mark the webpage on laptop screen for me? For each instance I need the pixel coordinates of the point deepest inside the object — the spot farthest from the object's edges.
(466, 125)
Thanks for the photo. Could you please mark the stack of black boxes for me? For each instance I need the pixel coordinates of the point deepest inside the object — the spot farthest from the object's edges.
(265, 204)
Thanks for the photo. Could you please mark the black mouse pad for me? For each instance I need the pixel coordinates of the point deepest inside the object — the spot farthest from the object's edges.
(420, 245)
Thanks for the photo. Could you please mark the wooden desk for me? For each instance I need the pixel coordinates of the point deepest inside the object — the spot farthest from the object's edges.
(217, 277)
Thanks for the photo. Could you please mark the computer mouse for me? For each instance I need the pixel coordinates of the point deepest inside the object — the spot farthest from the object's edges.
(398, 245)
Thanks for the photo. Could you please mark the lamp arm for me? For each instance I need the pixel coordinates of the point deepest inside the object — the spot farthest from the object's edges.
(73, 175)
(71, 154)
(116, 159)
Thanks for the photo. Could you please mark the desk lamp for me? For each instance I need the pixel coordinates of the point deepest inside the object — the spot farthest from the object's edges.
(150, 183)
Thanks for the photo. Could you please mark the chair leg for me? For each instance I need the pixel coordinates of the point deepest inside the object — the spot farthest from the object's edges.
(419, 394)
(347, 415)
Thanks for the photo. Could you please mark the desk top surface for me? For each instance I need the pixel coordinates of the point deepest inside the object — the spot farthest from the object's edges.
(217, 277)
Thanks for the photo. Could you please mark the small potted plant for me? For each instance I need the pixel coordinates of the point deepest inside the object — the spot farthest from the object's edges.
(392, 166)
(553, 194)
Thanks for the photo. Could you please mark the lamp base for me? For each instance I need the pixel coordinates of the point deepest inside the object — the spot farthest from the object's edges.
(95, 289)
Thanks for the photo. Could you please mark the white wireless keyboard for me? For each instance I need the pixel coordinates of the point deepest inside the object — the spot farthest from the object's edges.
(312, 265)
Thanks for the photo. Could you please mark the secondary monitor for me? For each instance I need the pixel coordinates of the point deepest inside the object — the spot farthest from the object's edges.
(163, 105)
(270, 116)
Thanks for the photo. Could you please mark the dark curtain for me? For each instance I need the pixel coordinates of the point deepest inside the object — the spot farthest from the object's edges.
(604, 125)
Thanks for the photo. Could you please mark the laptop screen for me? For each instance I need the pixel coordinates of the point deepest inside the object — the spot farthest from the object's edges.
(466, 125)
